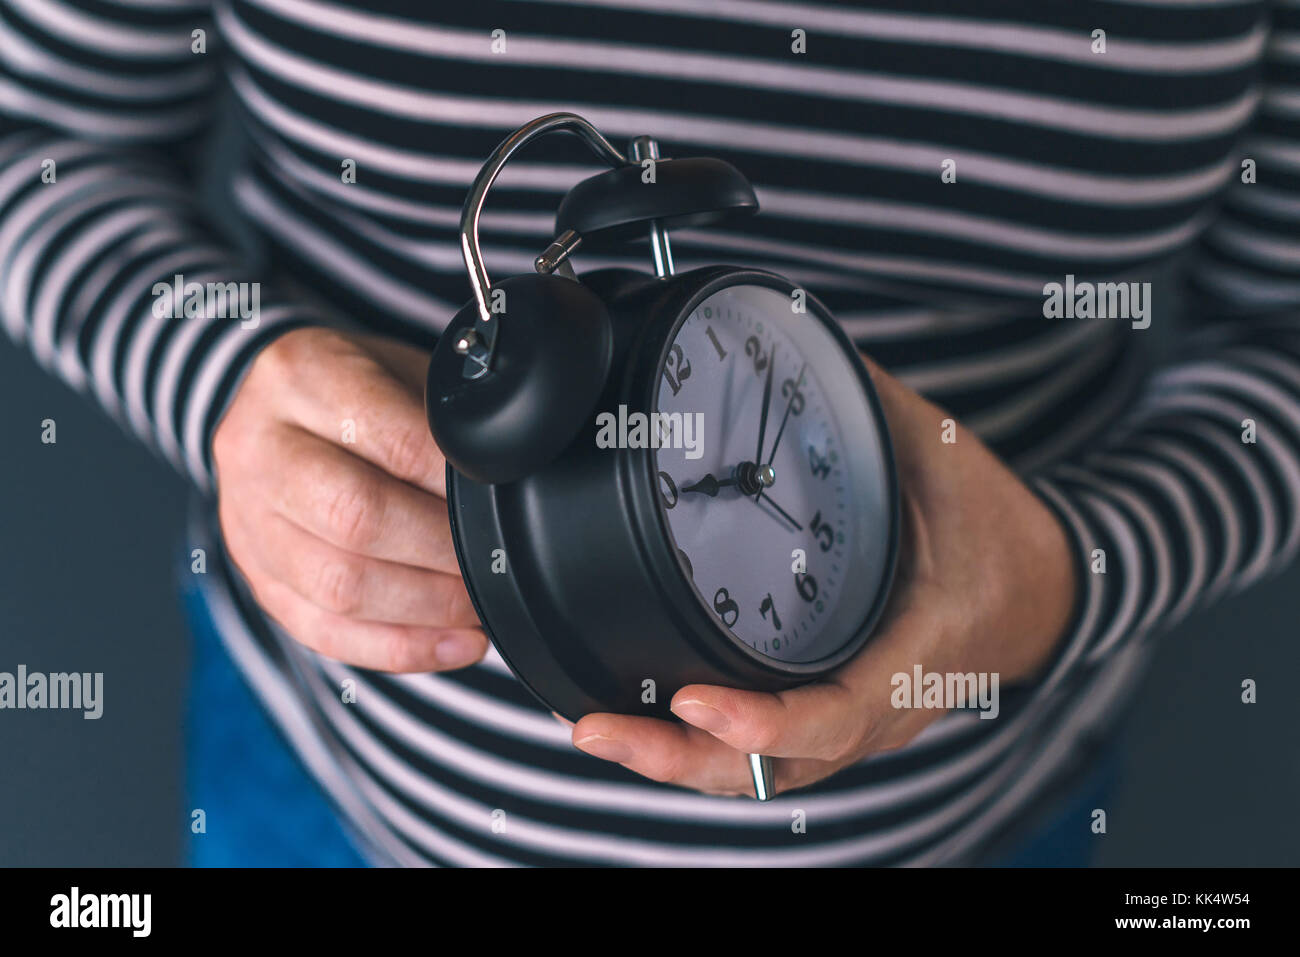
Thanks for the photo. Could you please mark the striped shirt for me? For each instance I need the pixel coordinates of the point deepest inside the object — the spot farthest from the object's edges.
(925, 166)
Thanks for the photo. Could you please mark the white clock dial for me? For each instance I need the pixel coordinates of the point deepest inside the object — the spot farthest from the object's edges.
(786, 544)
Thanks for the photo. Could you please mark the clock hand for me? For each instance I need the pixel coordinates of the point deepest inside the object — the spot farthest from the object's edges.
(784, 419)
(784, 514)
(709, 485)
(767, 402)
(747, 475)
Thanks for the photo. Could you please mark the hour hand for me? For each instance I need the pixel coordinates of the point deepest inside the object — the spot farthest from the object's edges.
(709, 485)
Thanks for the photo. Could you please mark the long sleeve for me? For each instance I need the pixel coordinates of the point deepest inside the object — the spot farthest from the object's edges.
(1196, 493)
(99, 211)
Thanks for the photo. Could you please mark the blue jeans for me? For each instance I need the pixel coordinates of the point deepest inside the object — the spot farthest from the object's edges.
(263, 809)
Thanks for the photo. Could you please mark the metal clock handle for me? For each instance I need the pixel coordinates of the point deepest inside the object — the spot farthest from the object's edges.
(483, 343)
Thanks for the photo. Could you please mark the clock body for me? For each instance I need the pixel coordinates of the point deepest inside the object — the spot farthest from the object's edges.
(650, 554)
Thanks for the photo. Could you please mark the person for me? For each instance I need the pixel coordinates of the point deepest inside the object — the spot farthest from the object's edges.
(949, 178)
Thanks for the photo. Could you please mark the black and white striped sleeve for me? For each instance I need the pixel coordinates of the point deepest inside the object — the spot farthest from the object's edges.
(1196, 493)
(100, 103)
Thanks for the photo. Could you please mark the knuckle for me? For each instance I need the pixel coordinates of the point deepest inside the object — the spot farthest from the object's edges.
(339, 586)
(841, 747)
(408, 453)
(893, 740)
(289, 357)
(232, 446)
(452, 605)
(278, 357)
(284, 613)
(312, 631)
(402, 655)
(765, 737)
(666, 770)
(320, 640)
(660, 774)
(353, 514)
(854, 742)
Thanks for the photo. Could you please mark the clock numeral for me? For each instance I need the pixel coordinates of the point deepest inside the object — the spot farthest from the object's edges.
(726, 608)
(822, 531)
(677, 369)
(821, 466)
(755, 348)
(806, 585)
(767, 606)
(790, 391)
(667, 490)
(722, 353)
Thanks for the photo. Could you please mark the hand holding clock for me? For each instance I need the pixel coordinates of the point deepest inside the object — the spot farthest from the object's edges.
(349, 549)
(986, 584)
(331, 500)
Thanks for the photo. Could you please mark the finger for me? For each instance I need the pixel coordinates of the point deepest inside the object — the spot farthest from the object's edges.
(836, 720)
(367, 644)
(356, 586)
(371, 645)
(354, 505)
(359, 401)
(409, 364)
(665, 751)
(672, 754)
(818, 721)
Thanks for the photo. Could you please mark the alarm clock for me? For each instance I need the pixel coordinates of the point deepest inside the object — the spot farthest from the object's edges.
(658, 479)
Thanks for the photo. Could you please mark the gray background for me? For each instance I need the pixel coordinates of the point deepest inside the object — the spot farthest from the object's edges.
(90, 537)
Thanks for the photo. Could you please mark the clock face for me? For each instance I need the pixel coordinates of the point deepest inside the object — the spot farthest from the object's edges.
(787, 541)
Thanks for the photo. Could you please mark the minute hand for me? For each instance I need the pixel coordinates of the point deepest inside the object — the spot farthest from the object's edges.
(767, 402)
(784, 419)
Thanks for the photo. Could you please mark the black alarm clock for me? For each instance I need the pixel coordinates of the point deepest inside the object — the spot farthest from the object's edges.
(660, 479)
